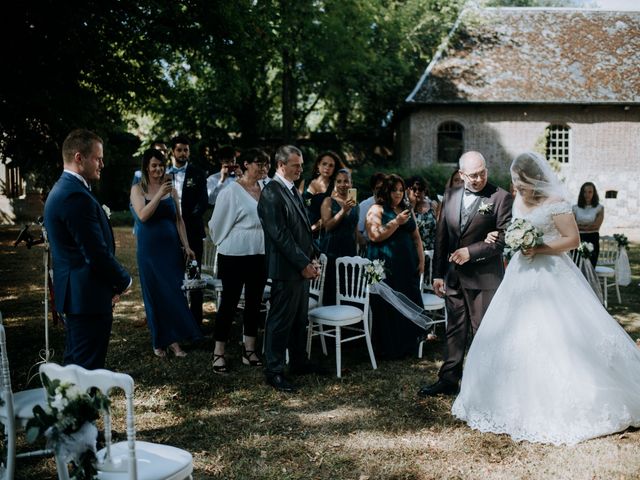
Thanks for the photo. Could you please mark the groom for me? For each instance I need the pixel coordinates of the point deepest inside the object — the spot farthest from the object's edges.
(466, 270)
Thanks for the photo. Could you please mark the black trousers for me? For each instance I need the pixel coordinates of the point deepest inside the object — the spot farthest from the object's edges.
(594, 239)
(87, 339)
(248, 271)
(286, 325)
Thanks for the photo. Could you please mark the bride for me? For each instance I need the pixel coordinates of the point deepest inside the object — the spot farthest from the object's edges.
(548, 363)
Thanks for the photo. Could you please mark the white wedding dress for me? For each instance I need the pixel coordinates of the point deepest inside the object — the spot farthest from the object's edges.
(548, 363)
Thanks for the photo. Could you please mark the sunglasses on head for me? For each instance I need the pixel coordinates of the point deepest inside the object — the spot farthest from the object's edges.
(417, 189)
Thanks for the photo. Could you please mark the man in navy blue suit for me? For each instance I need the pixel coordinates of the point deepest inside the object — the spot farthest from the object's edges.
(87, 278)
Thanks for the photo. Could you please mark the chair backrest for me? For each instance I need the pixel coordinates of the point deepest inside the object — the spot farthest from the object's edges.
(6, 409)
(209, 258)
(316, 286)
(105, 381)
(608, 251)
(428, 271)
(351, 283)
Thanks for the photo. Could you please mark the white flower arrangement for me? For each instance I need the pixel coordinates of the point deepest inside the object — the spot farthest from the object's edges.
(107, 211)
(485, 208)
(585, 249)
(68, 424)
(521, 235)
(374, 272)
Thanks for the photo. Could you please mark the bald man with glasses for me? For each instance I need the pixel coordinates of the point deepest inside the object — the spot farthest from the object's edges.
(467, 270)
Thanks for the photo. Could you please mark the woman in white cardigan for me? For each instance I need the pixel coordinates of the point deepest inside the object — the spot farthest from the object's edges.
(236, 230)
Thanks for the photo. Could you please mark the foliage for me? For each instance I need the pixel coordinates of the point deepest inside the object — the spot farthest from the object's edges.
(68, 411)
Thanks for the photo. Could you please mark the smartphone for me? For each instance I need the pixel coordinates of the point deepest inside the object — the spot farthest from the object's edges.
(352, 194)
(168, 178)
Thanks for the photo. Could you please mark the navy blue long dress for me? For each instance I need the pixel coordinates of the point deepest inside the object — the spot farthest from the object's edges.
(339, 242)
(161, 266)
(394, 335)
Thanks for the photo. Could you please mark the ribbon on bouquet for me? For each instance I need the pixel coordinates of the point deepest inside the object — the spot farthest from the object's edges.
(402, 304)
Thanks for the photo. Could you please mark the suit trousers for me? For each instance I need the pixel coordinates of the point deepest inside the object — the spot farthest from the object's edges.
(236, 272)
(87, 339)
(286, 324)
(465, 309)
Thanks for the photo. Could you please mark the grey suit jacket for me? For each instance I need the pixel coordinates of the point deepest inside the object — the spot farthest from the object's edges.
(485, 269)
(287, 232)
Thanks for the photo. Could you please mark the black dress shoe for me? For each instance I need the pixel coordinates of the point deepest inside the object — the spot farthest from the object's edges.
(307, 369)
(441, 387)
(281, 384)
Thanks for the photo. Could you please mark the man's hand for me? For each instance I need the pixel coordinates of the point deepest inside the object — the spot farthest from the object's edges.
(438, 287)
(310, 272)
(460, 256)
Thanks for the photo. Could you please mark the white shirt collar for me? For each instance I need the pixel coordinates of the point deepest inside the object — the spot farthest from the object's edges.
(286, 182)
(80, 177)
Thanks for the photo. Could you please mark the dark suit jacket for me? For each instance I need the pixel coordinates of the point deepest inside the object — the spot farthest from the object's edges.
(287, 232)
(485, 269)
(86, 274)
(193, 204)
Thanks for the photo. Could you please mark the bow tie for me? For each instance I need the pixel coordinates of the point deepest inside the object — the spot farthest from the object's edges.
(177, 169)
(469, 192)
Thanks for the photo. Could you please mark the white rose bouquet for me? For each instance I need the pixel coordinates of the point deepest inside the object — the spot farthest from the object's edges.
(521, 235)
(374, 272)
(585, 249)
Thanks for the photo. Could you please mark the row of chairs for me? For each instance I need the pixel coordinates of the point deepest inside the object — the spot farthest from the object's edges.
(126, 460)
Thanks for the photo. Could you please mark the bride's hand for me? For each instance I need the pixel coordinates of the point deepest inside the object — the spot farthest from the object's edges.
(529, 252)
(492, 237)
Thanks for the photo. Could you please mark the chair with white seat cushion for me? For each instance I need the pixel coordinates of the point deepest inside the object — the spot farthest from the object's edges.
(131, 459)
(351, 311)
(15, 411)
(606, 267)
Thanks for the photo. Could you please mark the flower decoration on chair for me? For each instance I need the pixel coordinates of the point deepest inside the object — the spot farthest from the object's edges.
(485, 208)
(622, 240)
(68, 424)
(521, 235)
(585, 249)
(374, 272)
(107, 211)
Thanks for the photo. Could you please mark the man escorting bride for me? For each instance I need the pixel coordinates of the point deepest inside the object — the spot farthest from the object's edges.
(548, 363)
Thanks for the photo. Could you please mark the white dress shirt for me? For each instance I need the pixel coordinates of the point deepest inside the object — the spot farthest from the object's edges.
(235, 226)
(215, 186)
(78, 176)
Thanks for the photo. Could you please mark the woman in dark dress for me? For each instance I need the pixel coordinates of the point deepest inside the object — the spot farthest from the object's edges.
(394, 238)
(323, 177)
(339, 215)
(161, 238)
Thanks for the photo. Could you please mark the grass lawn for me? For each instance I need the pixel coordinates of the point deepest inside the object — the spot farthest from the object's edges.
(368, 425)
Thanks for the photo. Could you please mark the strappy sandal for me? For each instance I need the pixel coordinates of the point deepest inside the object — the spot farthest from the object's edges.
(158, 352)
(221, 369)
(247, 360)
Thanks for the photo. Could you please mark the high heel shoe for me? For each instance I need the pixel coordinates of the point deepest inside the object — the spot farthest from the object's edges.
(247, 360)
(177, 351)
(158, 352)
(221, 369)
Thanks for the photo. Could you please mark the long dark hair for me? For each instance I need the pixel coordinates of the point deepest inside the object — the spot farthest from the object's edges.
(595, 201)
(148, 154)
(338, 165)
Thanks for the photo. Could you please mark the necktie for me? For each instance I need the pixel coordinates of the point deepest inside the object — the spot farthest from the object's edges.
(296, 195)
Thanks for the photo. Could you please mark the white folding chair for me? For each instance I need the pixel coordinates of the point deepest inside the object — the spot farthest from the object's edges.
(606, 267)
(128, 460)
(316, 289)
(15, 411)
(431, 302)
(352, 308)
(209, 270)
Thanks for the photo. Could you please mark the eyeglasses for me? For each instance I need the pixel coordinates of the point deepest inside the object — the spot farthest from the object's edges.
(417, 189)
(475, 175)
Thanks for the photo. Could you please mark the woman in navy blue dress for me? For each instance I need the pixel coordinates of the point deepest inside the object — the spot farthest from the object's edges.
(161, 240)
(339, 215)
(394, 238)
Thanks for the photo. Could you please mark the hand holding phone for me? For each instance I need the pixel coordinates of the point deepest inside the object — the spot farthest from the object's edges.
(352, 194)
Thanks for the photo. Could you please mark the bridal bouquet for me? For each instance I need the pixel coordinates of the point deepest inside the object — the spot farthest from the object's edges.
(521, 235)
(68, 424)
(585, 249)
(374, 272)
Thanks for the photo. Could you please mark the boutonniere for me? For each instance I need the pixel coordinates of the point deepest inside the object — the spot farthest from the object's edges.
(190, 182)
(107, 211)
(307, 202)
(485, 208)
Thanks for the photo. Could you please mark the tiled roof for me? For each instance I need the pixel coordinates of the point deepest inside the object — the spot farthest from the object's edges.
(537, 55)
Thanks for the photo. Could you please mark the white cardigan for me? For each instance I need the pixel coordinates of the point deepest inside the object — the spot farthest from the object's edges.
(235, 226)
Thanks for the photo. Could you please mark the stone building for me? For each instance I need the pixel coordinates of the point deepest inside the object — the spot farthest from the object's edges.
(563, 82)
